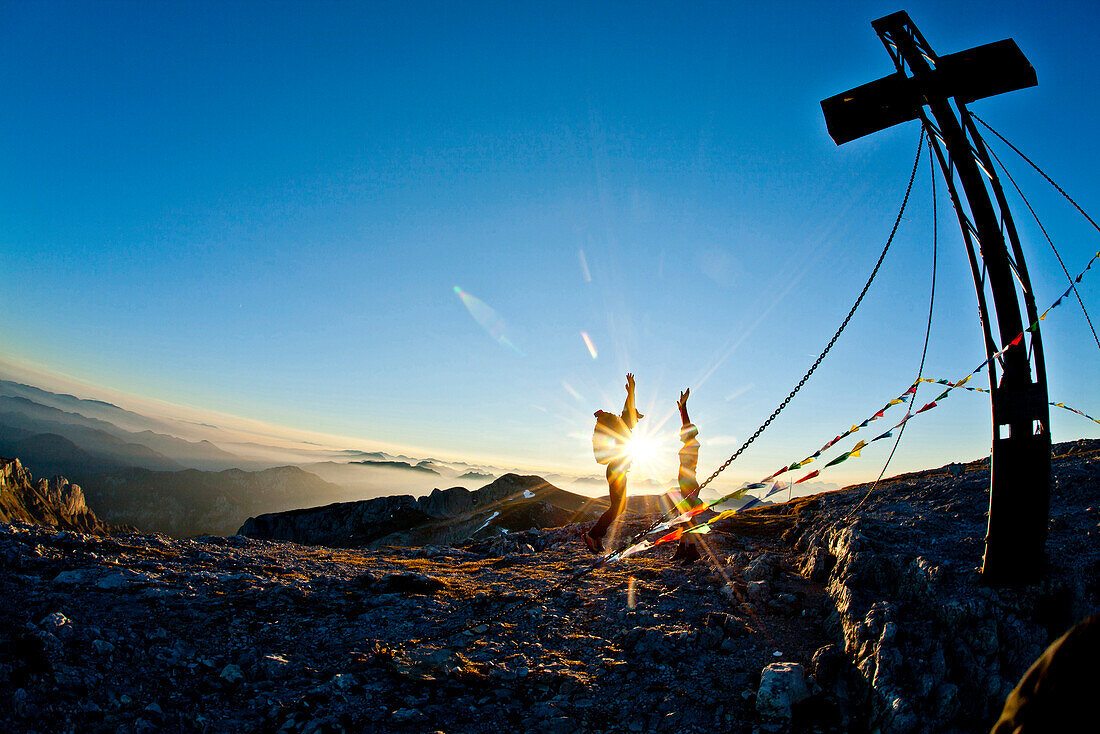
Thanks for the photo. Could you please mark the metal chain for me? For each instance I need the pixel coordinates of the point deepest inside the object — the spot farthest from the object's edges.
(813, 368)
(829, 346)
(519, 603)
(1039, 170)
(1043, 229)
(927, 334)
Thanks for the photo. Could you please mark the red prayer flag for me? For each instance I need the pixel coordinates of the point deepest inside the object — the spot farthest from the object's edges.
(674, 535)
(811, 475)
(927, 407)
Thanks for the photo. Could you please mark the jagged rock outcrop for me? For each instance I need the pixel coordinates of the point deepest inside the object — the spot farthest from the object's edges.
(446, 516)
(931, 648)
(54, 502)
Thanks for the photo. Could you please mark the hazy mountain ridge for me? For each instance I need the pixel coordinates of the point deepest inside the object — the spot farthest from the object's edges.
(53, 455)
(94, 409)
(51, 437)
(159, 450)
(402, 465)
(193, 502)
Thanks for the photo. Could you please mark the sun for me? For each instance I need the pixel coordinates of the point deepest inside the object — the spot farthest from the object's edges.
(642, 450)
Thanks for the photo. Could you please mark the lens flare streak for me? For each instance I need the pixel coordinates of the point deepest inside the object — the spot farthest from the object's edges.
(584, 267)
(588, 343)
(569, 389)
(487, 318)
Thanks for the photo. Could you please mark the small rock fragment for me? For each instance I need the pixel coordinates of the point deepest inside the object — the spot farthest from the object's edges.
(232, 674)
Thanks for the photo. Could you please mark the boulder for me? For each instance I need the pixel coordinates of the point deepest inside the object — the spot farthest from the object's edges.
(781, 686)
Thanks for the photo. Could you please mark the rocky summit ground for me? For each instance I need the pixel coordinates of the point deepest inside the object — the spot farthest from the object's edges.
(803, 617)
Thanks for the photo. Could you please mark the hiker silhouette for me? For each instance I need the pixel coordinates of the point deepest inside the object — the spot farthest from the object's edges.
(611, 446)
(687, 484)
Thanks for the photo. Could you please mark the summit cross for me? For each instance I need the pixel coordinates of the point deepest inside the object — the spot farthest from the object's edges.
(1019, 495)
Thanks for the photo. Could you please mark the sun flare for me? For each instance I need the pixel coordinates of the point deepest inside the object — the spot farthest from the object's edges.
(642, 450)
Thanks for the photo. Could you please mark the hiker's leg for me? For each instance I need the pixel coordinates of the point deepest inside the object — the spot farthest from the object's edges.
(616, 487)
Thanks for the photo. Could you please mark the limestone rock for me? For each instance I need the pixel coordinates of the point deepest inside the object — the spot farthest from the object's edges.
(54, 502)
(781, 686)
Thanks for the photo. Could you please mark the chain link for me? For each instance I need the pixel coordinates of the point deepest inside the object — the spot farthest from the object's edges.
(844, 325)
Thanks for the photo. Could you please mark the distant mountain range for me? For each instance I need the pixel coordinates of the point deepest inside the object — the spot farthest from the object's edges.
(404, 465)
(138, 470)
(109, 444)
(511, 503)
(192, 502)
(150, 472)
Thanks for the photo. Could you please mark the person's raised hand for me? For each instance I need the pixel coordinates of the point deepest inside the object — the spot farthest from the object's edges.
(683, 398)
(630, 381)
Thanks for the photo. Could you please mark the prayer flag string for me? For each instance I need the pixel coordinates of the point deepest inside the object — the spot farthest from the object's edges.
(986, 391)
(854, 452)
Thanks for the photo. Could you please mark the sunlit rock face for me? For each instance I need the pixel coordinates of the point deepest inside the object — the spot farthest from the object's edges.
(54, 502)
(927, 646)
(446, 502)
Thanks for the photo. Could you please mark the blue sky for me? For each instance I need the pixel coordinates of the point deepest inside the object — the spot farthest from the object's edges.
(265, 209)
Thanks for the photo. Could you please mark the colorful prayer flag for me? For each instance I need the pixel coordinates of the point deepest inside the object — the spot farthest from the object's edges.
(674, 535)
(723, 516)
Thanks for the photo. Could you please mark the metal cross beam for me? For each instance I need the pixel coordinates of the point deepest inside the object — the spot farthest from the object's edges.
(932, 88)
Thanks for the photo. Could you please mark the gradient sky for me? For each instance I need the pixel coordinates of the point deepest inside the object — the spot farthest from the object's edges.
(455, 226)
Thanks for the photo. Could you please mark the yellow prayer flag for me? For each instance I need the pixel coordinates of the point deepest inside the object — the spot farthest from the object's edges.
(854, 453)
(722, 516)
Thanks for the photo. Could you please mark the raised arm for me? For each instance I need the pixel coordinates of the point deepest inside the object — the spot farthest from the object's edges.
(630, 413)
(682, 404)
